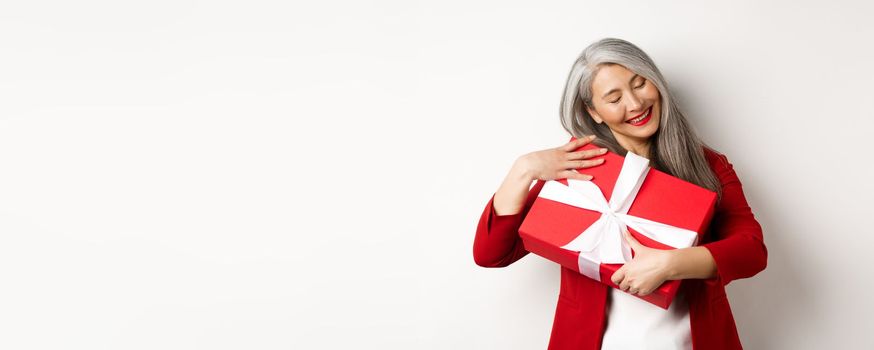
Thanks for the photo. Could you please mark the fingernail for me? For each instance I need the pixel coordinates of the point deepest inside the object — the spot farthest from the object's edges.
(591, 137)
(603, 150)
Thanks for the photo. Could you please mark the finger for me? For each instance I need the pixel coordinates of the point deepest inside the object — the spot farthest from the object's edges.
(625, 284)
(618, 276)
(635, 244)
(589, 153)
(583, 163)
(570, 146)
(573, 174)
(621, 280)
(644, 292)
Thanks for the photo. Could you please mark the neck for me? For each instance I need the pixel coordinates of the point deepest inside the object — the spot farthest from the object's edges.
(637, 146)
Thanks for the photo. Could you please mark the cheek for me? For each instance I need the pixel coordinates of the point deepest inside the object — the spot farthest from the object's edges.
(652, 93)
(615, 112)
(616, 116)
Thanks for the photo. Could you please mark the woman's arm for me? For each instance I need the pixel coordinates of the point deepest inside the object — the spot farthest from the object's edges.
(692, 262)
(737, 248)
(651, 267)
(510, 197)
(497, 242)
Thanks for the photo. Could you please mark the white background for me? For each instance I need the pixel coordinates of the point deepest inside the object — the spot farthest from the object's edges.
(273, 175)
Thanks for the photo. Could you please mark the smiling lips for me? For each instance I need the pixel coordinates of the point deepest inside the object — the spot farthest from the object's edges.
(643, 119)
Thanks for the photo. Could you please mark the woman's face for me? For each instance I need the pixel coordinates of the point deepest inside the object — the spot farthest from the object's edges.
(628, 103)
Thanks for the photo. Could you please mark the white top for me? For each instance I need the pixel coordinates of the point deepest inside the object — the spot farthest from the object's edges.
(633, 323)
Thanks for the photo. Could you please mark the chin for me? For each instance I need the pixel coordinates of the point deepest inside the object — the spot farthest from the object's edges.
(645, 132)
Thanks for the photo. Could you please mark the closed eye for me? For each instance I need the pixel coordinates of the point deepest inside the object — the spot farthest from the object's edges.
(642, 84)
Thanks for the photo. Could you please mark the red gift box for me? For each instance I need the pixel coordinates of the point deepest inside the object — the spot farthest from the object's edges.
(662, 198)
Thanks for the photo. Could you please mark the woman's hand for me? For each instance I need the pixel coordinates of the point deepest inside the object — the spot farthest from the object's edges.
(549, 164)
(560, 162)
(647, 271)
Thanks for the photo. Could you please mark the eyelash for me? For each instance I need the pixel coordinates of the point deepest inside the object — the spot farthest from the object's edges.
(636, 87)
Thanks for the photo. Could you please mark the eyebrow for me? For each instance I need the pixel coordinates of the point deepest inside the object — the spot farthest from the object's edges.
(615, 89)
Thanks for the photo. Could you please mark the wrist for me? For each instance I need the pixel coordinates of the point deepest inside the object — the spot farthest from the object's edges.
(521, 171)
(673, 263)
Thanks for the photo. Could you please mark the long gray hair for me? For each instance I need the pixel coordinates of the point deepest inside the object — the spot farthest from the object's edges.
(674, 148)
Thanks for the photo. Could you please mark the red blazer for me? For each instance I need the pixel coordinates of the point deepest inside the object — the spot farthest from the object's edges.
(734, 238)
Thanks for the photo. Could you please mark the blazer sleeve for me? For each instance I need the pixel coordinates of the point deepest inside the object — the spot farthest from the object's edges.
(497, 242)
(737, 245)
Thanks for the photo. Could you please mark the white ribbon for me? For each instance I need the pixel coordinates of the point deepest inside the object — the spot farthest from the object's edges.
(603, 242)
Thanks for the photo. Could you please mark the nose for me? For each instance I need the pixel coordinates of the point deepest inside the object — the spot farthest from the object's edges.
(634, 104)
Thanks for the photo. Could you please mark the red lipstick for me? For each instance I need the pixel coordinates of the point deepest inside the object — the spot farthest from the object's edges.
(644, 120)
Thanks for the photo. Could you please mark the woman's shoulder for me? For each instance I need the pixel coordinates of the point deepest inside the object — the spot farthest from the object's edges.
(719, 164)
(716, 159)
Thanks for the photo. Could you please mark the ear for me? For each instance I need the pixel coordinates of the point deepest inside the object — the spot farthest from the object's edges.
(594, 114)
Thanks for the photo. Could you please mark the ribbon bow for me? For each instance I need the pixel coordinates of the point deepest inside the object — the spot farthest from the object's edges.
(602, 242)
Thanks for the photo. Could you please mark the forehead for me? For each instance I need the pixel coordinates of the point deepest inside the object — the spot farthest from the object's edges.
(610, 76)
